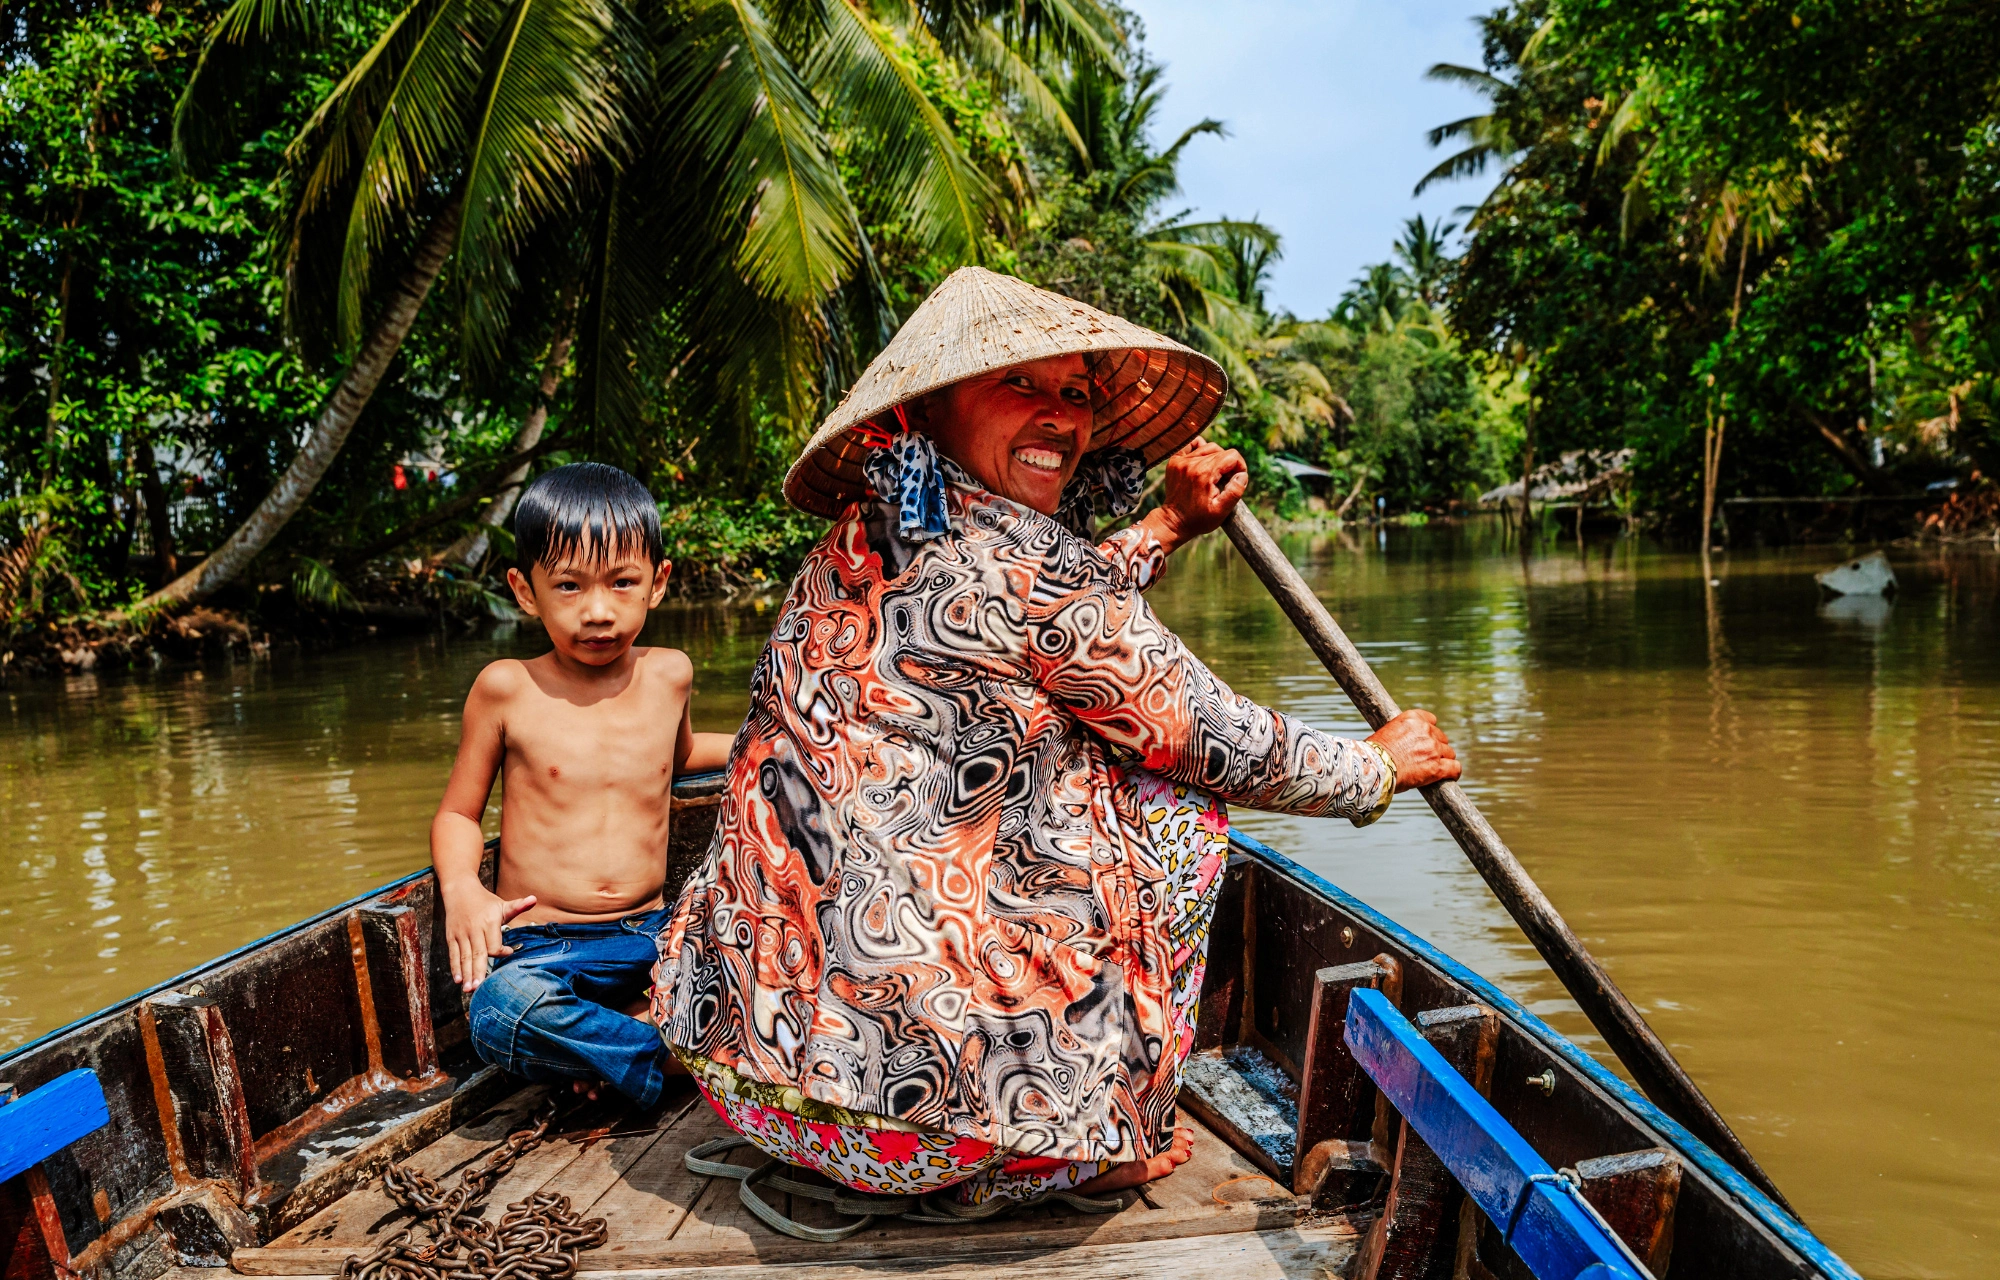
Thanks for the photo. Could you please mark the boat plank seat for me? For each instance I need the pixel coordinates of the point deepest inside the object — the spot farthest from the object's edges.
(630, 1170)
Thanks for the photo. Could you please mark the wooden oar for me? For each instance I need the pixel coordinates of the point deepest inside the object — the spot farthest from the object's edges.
(1589, 985)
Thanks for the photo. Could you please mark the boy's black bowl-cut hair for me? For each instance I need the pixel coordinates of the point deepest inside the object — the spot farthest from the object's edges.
(584, 509)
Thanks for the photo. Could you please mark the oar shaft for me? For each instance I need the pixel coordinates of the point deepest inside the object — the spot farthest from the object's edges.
(1589, 985)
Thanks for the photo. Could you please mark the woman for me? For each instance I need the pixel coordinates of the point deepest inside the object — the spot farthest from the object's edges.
(952, 928)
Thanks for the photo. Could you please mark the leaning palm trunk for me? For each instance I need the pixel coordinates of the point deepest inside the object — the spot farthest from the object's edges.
(329, 431)
(471, 546)
(1360, 479)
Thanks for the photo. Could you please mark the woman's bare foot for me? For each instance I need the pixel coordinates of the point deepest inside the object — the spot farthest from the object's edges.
(1135, 1172)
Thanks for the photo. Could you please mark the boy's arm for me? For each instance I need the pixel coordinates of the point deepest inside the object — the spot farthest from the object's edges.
(694, 752)
(699, 752)
(473, 915)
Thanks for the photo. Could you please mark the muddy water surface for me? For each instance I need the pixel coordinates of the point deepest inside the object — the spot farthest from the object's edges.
(1776, 820)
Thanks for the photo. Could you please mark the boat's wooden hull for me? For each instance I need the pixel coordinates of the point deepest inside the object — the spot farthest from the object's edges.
(251, 1094)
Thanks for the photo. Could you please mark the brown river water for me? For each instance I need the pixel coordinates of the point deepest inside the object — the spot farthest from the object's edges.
(1775, 819)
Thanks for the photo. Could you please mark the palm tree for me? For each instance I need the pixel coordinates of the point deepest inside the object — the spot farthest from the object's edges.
(1212, 279)
(1739, 209)
(1112, 115)
(1488, 137)
(1502, 133)
(1376, 299)
(1757, 209)
(1425, 258)
(1290, 360)
(679, 153)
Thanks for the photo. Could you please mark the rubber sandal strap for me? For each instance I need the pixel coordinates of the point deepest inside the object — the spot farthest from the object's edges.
(933, 1209)
(779, 1222)
(697, 1160)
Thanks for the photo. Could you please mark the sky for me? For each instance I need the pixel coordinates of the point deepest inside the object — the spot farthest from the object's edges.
(1327, 106)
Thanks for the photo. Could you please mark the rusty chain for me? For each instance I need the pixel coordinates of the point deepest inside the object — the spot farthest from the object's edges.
(536, 1239)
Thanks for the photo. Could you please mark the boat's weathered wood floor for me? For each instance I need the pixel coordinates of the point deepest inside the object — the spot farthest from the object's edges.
(1217, 1215)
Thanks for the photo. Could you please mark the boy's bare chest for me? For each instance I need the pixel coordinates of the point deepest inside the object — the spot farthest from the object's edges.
(565, 745)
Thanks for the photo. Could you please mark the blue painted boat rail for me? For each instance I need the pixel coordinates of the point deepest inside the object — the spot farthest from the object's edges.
(1697, 1152)
(1540, 1214)
(36, 1125)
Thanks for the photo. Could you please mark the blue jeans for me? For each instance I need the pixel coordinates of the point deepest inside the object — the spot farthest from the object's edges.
(542, 1012)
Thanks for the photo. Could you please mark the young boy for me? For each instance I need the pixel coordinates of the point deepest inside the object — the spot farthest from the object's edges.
(589, 738)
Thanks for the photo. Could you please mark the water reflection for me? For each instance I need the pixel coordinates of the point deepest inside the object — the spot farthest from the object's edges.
(1870, 613)
(1777, 821)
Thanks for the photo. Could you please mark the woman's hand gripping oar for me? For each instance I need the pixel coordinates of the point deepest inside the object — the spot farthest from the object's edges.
(1589, 985)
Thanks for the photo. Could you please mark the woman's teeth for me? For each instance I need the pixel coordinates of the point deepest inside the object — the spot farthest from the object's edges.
(1039, 459)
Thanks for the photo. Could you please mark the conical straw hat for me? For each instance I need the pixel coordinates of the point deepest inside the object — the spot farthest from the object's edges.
(1148, 392)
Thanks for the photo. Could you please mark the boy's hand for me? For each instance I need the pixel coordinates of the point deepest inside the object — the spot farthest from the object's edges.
(473, 919)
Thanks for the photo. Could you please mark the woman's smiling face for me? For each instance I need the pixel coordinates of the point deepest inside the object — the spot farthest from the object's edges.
(1020, 430)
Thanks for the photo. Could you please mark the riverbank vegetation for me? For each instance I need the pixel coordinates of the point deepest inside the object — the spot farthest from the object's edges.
(1753, 243)
(299, 292)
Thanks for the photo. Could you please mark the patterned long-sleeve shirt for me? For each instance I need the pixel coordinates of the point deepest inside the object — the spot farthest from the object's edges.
(928, 897)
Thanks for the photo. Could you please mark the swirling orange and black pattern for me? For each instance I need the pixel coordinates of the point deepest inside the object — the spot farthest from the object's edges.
(927, 897)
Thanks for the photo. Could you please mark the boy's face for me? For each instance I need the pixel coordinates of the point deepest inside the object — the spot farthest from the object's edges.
(593, 609)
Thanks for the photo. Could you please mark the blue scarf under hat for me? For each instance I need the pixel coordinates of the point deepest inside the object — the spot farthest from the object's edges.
(909, 472)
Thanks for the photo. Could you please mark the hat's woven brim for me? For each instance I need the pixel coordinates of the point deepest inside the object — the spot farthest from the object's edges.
(1148, 392)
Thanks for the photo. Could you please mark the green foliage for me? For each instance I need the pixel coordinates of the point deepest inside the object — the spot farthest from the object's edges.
(695, 222)
(1779, 217)
(138, 313)
(1421, 423)
(36, 573)
(315, 582)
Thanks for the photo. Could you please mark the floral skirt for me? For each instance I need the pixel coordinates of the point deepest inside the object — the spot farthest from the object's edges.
(885, 1156)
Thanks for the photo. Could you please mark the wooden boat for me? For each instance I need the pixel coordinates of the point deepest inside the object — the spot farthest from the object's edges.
(1364, 1105)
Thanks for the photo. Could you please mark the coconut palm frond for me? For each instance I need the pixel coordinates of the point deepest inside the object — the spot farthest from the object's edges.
(1468, 163)
(1151, 177)
(1073, 30)
(244, 38)
(876, 90)
(1532, 51)
(1222, 231)
(315, 582)
(1628, 114)
(1470, 77)
(626, 272)
(1013, 73)
(750, 130)
(550, 102)
(416, 133)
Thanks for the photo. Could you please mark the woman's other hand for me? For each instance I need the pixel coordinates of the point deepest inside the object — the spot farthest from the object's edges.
(1422, 753)
(1203, 485)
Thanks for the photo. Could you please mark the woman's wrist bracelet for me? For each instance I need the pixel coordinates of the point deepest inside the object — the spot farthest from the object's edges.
(1389, 785)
